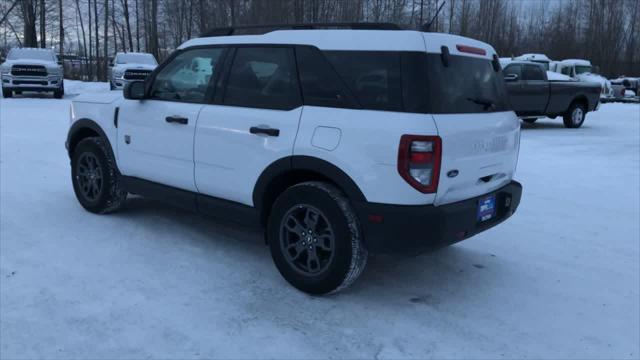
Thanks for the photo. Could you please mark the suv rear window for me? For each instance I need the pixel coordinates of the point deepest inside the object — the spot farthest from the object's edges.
(416, 82)
(466, 85)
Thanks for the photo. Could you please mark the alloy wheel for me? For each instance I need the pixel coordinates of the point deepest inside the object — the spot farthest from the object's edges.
(307, 240)
(89, 176)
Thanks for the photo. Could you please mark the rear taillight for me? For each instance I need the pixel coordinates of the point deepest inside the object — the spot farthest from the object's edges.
(419, 161)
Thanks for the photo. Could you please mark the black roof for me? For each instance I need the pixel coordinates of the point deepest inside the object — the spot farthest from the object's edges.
(263, 29)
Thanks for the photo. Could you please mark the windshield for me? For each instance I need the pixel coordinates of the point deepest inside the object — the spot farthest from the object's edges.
(136, 58)
(466, 85)
(33, 54)
(581, 69)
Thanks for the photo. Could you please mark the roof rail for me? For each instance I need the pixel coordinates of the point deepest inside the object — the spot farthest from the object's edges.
(263, 29)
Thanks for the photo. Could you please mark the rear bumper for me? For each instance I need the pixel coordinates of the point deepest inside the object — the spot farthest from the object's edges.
(414, 229)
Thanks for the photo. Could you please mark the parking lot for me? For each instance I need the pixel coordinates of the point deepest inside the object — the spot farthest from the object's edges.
(560, 279)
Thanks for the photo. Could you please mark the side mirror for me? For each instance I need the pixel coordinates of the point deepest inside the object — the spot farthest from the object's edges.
(110, 64)
(511, 77)
(134, 90)
(59, 62)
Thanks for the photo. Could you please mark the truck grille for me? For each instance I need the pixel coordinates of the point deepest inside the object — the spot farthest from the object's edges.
(136, 74)
(28, 70)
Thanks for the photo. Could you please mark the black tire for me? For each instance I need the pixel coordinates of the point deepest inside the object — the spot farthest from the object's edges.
(95, 177)
(6, 93)
(574, 117)
(336, 269)
(530, 120)
(59, 93)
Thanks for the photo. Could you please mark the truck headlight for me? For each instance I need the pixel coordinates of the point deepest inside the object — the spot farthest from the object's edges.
(118, 73)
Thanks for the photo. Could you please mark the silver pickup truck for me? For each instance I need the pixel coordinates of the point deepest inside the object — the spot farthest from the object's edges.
(532, 95)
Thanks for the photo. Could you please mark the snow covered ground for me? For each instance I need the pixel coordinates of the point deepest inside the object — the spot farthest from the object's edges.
(558, 280)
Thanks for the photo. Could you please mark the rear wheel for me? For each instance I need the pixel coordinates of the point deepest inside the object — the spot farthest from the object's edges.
(574, 117)
(315, 240)
(7, 93)
(95, 178)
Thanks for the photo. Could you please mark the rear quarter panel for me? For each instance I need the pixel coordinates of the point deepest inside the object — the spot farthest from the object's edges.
(364, 145)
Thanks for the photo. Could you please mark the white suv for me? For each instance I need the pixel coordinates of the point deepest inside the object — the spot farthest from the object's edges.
(31, 69)
(131, 66)
(339, 142)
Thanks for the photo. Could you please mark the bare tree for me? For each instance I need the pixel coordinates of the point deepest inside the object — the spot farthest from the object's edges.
(29, 22)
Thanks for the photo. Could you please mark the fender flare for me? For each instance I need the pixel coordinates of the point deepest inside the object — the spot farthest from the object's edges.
(279, 169)
(75, 134)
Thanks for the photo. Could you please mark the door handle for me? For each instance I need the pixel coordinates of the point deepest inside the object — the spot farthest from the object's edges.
(263, 130)
(177, 120)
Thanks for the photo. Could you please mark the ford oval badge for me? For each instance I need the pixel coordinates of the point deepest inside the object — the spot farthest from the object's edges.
(452, 173)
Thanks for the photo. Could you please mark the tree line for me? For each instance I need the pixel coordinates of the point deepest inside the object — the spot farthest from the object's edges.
(607, 32)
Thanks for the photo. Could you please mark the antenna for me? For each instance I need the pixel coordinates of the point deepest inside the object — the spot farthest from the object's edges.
(427, 26)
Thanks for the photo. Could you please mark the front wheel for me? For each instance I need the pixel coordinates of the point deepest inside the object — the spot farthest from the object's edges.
(315, 238)
(574, 117)
(59, 93)
(95, 178)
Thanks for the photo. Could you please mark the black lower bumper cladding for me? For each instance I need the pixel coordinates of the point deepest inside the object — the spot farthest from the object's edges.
(414, 229)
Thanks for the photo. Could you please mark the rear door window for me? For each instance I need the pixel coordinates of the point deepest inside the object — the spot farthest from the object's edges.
(321, 86)
(263, 77)
(532, 72)
(374, 78)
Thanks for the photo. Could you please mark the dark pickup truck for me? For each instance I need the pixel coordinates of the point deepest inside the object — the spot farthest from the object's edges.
(532, 95)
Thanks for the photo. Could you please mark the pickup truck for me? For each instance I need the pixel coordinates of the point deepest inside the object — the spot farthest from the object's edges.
(532, 95)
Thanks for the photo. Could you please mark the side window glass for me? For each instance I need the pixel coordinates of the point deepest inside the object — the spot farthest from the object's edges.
(566, 71)
(186, 78)
(414, 79)
(321, 86)
(263, 77)
(530, 72)
(512, 70)
(373, 77)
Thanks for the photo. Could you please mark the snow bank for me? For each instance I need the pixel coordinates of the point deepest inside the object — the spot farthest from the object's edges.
(560, 279)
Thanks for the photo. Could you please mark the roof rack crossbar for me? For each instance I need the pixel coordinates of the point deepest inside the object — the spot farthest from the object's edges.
(263, 29)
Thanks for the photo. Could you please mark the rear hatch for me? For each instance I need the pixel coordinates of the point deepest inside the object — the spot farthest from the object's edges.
(480, 134)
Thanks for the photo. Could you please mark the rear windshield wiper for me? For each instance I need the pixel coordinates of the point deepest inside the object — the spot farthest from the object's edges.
(487, 104)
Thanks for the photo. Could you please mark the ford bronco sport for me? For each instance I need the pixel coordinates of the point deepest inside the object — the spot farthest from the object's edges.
(339, 142)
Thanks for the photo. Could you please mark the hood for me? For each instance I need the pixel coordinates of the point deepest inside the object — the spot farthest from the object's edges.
(129, 66)
(605, 84)
(48, 64)
(589, 77)
(554, 76)
(98, 98)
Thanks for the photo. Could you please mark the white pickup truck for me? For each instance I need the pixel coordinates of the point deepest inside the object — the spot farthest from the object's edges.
(31, 69)
(582, 70)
